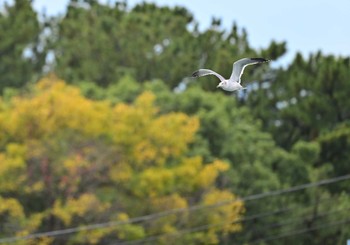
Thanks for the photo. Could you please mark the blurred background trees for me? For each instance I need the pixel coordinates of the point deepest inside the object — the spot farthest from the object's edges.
(21, 50)
(132, 135)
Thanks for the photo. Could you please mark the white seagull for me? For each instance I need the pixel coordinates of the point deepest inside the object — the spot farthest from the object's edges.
(234, 82)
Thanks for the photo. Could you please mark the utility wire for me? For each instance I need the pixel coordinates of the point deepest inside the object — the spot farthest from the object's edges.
(301, 218)
(172, 211)
(301, 231)
(208, 226)
(253, 217)
(296, 216)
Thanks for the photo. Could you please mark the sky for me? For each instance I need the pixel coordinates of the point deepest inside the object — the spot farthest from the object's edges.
(306, 25)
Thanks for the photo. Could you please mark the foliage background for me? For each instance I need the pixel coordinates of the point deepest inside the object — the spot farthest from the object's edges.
(99, 123)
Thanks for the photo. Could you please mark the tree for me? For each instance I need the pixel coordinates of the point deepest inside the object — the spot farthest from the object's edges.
(102, 43)
(307, 101)
(144, 139)
(68, 161)
(304, 100)
(230, 131)
(22, 56)
(306, 113)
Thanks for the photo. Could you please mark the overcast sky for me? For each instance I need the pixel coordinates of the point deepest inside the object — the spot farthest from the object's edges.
(306, 25)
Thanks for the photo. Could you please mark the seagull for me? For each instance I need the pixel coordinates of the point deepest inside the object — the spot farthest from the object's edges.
(234, 82)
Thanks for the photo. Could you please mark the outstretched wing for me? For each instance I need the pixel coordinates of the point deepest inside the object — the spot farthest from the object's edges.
(206, 72)
(239, 65)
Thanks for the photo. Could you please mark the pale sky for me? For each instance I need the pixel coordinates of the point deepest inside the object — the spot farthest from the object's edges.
(306, 25)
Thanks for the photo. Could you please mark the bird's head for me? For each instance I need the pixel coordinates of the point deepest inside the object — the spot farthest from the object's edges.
(221, 84)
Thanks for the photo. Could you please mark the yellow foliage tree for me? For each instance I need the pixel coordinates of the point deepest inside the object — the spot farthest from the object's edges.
(67, 161)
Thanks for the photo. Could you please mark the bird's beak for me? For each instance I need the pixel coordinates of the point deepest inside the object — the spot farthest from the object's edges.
(218, 86)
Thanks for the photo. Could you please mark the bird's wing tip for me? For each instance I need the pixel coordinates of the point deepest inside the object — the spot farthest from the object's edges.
(260, 59)
(195, 74)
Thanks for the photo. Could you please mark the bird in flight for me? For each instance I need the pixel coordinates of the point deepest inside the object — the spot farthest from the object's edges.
(234, 82)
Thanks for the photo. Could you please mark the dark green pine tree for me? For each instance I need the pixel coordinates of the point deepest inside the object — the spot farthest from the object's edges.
(21, 51)
(102, 43)
(305, 100)
(309, 101)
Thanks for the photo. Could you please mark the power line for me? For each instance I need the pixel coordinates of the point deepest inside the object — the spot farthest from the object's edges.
(173, 211)
(208, 226)
(310, 205)
(242, 220)
(302, 218)
(293, 222)
(298, 232)
(177, 233)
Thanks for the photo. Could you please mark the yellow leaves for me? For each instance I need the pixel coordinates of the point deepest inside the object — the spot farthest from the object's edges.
(47, 82)
(36, 187)
(227, 214)
(62, 213)
(192, 174)
(122, 217)
(171, 133)
(152, 139)
(144, 152)
(145, 101)
(12, 164)
(220, 166)
(11, 207)
(120, 173)
(66, 146)
(173, 201)
(168, 224)
(85, 204)
(154, 181)
(56, 106)
(74, 163)
(15, 153)
(146, 137)
(130, 121)
(129, 231)
(209, 173)
(188, 176)
(186, 172)
(92, 237)
(12, 212)
(30, 224)
(34, 221)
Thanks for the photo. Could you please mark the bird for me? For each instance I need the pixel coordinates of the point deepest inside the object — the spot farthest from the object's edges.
(234, 82)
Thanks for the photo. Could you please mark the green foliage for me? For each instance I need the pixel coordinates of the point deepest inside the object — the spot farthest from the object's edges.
(22, 58)
(308, 103)
(306, 100)
(305, 108)
(136, 136)
(128, 160)
(103, 43)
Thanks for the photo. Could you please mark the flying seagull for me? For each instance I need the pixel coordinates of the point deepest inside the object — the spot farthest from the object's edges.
(234, 82)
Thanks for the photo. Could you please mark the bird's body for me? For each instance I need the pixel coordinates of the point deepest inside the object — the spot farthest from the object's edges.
(234, 82)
